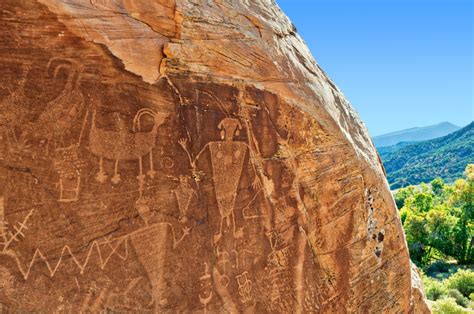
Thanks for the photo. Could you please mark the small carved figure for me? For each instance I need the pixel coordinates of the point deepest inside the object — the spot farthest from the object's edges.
(3, 223)
(205, 296)
(223, 260)
(245, 287)
(69, 166)
(184, 194)
(122, 144)
(141, 205)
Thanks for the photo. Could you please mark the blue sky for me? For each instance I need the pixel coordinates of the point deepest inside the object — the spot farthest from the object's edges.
(401, 63)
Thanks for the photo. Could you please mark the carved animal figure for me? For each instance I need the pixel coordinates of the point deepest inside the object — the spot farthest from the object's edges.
(125, 145)
(62, 111)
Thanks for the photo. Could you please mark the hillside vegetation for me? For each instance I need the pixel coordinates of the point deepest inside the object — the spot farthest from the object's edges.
(438, 220)
(444, 157)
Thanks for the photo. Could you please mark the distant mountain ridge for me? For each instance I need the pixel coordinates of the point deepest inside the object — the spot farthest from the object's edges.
(415, 134)
(393, 148)
(444, 157)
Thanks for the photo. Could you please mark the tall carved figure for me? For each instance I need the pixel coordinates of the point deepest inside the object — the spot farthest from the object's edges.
(122, 144)
(227, 158)
(63, 112)
(150, 244)
(3, 226)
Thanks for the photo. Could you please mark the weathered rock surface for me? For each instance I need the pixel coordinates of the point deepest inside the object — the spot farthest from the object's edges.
(188, 155)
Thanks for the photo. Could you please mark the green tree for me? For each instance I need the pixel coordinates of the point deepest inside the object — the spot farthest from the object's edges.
(462, 199)
(416, 235)
(420, 202)
(439, 219)
(437, 185)
(403, 194)
(440, 228)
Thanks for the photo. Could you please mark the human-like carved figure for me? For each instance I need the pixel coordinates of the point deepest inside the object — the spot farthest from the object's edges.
(245, 287)
(206, 294)
(184, 194)
(227, 158)
(223, 259)
(69, 166)
(3, 225)
(150, 243)
(122, 144)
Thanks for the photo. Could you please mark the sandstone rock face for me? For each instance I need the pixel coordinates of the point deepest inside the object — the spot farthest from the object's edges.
(185, 156)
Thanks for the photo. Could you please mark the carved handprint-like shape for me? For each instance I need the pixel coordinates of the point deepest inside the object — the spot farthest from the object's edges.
(183, 143)
(257, 184)
(186, 231)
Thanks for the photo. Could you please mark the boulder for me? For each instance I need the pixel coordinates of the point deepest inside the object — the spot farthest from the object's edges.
(185, 156)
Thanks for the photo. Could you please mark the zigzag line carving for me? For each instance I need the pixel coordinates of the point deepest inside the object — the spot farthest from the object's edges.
(38, 256)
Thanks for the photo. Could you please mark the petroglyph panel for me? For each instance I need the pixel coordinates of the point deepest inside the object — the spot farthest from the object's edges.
(168, 157)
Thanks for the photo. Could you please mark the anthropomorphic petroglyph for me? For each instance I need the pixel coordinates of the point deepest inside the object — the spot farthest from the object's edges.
(151, 245)
(184, 194)
(245, 287)
(206, 288)
(227, 157)
(3, 223)
(222, 262)
(280, 254)
(121, 145)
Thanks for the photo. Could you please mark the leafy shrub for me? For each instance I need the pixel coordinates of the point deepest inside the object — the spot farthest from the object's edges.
(458, 297)
(463, 281)
(434, 289)
(448, 306)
